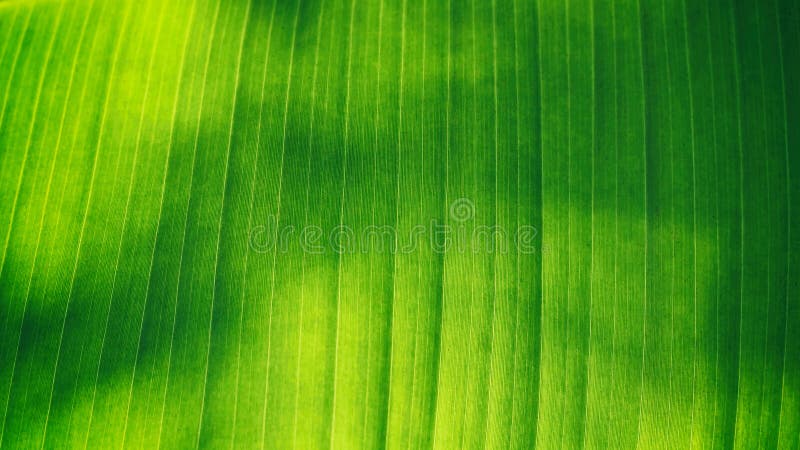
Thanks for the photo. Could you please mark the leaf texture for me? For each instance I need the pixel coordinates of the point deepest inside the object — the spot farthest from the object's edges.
(222, 224)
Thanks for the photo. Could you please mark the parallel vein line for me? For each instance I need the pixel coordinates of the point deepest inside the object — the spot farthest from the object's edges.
(438, 388)
(11, 72)
(397, 221)
(250, 227)
(341, 221)
(37, 101)
(160, 210)
(305, 220)
(131, 182)
(591, 245)
(738, 94)
(364, 441)
(199, 116)
(694, 214)
(788, 298)
(57, 147)
(231, 120)
(273, 281)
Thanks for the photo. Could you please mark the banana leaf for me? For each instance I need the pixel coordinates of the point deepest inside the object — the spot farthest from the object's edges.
(400, 224)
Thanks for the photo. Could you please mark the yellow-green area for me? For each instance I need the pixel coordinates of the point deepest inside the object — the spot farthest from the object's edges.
(301, 224)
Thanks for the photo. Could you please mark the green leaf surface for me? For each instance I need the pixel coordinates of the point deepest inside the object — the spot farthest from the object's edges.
(400, 224)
